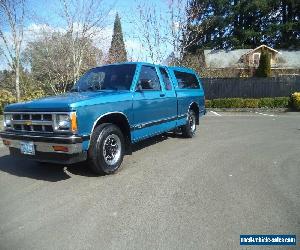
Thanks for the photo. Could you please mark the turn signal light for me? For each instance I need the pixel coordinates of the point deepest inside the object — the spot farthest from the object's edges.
(73, 122)
(61, 148)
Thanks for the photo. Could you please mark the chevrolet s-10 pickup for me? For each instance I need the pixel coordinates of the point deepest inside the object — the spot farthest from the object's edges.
(108, 109)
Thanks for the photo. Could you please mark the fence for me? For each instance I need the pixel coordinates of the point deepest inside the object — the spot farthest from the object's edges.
(250, 87)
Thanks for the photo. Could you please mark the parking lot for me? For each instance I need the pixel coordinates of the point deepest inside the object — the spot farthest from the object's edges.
(239, 175)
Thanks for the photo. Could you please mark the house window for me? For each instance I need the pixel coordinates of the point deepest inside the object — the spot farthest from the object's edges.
(256, 57)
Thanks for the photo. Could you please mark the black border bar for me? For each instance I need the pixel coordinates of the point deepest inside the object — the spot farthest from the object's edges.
(42, 138)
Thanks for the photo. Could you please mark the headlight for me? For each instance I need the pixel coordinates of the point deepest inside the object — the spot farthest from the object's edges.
(7, 120)
(63, 122)
(66, 122)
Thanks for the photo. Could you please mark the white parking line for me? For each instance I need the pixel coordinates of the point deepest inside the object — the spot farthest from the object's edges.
(215, 113)
(264, 114)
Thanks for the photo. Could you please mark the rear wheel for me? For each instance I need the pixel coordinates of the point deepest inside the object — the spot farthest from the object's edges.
(189, 129)
(106, 150)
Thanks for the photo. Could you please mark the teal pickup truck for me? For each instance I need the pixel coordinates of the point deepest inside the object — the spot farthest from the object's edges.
(108, 109)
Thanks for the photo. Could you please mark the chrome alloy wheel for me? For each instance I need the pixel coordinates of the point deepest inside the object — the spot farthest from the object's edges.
(112, 149)
(192, 123)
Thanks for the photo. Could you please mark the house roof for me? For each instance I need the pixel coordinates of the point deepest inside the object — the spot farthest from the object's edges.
(262, 46)
(289, 59)
(223, 58)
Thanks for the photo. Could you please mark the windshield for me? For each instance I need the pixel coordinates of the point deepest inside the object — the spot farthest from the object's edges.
(111, 77)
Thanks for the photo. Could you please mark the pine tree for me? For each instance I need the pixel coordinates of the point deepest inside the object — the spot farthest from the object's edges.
(117, 51)
(241, 24)
(264, 68)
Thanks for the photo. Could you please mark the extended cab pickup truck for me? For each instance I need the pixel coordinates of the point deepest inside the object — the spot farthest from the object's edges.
(109, 108)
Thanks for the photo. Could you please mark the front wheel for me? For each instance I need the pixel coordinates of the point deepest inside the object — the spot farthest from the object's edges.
(106, 150)
(189, 129)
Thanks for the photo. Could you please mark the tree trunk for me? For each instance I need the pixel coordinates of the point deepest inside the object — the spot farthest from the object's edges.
(17, 82)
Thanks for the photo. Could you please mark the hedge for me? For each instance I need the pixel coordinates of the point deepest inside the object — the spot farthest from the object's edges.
(277, 102)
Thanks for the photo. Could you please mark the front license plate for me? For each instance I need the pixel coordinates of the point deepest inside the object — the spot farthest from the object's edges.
(27, 148)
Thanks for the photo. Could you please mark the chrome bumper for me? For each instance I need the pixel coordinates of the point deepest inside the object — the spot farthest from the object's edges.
(46, 147)
(44, 143)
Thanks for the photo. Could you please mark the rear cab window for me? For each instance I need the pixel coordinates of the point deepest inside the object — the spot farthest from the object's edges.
(186, 80)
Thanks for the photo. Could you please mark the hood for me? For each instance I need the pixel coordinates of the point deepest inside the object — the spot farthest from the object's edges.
(69, 101)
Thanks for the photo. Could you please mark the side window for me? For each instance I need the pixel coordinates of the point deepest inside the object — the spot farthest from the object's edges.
(166, 78)
(148, 79)
(186, 80)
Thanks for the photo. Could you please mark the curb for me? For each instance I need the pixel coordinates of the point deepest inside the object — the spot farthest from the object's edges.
(277, 110)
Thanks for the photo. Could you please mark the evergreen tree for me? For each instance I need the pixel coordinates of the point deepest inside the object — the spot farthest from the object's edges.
(264, 68)
(117, 51)
(235, 24)
(287, 26)
(210, 16)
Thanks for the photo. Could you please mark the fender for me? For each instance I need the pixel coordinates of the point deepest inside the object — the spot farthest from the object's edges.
(103, 115)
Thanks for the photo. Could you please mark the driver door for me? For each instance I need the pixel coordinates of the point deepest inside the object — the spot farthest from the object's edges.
(150, 113)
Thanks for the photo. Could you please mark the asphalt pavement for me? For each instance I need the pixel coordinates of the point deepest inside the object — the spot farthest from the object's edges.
(240, 174)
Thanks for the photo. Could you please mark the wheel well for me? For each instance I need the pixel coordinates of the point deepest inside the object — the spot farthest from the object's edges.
(195, 108)
(121, 121)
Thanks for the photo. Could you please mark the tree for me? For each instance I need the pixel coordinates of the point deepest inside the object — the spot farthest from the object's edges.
(236, 24)
(12, 14)
(208, 16)
(195, 60)
(162, 33)
(287, 24)
(85, 20)
(51, 60)
(117, 50)
(264, 68)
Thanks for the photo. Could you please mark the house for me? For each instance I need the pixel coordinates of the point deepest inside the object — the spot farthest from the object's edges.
(243, 62)
(251, 58)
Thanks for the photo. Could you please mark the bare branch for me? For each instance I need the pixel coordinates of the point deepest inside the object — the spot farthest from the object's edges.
(162, 32)
(84, 19)
(13, 14)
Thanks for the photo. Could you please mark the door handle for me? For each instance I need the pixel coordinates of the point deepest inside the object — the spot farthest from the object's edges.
(162, 95)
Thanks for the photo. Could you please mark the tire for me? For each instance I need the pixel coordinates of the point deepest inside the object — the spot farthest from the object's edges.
(107, 148)
(189, 129)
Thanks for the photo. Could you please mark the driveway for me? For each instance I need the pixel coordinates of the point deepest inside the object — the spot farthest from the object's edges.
(239, 175)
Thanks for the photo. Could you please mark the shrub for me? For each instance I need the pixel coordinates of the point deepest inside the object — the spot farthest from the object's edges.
(6, 97)
(295, 100)
(35, 94)
(218, 103)
(281, 102)
(277, 102)
(227, 103)
(266, 103)
(208, 103)
(250, 103)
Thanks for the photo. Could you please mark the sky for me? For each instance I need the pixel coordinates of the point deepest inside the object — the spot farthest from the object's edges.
(41, 12)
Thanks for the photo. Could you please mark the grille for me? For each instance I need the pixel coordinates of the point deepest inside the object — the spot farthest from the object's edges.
(32, 122)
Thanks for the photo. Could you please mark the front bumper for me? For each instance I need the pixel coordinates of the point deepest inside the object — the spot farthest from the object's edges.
(44, 147)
